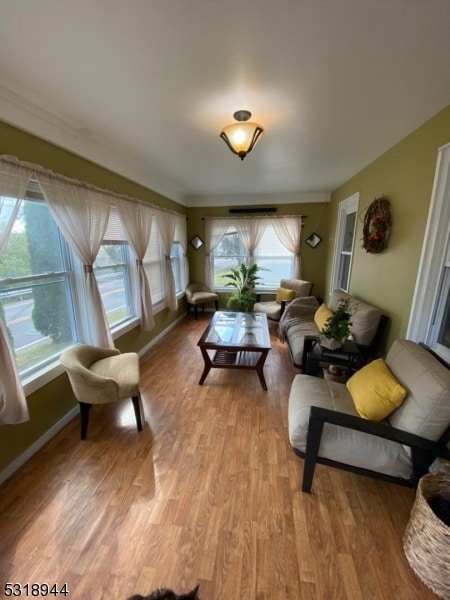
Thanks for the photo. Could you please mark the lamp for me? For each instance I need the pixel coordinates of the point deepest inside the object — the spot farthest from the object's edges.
(240, 137)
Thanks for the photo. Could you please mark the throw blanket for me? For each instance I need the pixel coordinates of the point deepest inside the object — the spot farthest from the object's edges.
(300, 310)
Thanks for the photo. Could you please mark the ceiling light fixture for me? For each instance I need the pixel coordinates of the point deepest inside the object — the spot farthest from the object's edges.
(240, 137)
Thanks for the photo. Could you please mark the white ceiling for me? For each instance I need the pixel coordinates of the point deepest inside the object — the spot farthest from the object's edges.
(144, 86)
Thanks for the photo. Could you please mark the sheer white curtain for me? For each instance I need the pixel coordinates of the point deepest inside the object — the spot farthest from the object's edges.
(82, 216)
(250, 231)
(215, 229)
(181, 236)
(289, 232)
(137, 223)
(13, 405)
(166, 226)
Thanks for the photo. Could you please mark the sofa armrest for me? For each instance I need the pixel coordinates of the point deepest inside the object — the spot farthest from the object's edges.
(422, 448)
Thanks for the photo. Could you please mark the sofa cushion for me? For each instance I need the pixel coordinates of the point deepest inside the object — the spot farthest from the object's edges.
(321, 316)
(426, 410)
(340, 443)
(284, 295)
(375, 391)
(365, 317)
(295, 336)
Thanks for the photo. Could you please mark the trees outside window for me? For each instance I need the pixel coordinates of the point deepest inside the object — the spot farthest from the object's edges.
(36, 285)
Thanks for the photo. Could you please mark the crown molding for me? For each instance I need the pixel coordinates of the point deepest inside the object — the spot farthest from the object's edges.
(29, 117)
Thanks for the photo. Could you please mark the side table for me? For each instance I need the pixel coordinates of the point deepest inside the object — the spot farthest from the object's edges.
(315, 355)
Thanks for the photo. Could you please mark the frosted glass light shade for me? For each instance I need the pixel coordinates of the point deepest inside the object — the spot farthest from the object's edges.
(241, 136)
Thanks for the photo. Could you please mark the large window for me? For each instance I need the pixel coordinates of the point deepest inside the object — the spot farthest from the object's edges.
(48, 296)
(344, 242)
(274, 260)
(36, 282)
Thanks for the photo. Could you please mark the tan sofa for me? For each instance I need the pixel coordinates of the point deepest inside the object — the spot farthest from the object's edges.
(298, 322)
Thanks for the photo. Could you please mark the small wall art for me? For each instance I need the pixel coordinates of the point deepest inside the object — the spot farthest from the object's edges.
(313, 240)
(196, 242)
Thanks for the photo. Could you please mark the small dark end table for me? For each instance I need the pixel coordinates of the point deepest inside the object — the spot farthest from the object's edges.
(315, 355)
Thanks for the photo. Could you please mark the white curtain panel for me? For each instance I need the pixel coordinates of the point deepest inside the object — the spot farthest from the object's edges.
(251, 231)
(289, 232)
(137, 222)
(13, 184)
(82, 216)
(215, 229)
(166, 226)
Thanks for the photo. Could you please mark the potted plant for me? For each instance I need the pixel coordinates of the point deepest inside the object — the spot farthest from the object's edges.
(243, 280)
(337, 327)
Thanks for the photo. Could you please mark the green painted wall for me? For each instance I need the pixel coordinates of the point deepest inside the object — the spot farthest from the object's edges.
(313, 260)
(53, 401)
(404, 174)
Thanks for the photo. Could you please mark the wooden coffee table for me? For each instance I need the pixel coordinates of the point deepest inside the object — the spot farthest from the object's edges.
(237, 341)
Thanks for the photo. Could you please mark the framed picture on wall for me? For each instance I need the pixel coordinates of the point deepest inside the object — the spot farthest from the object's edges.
(313, 240)
(196, 242)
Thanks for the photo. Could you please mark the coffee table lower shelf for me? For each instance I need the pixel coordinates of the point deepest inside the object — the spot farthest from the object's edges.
(241, 359)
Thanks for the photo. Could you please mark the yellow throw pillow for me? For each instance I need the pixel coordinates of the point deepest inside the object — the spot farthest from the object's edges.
(322, 314)
(285, 295)
(375, 391)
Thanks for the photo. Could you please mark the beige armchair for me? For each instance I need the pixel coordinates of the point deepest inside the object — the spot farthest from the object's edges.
(101, 376)
(199, 294)
(275, 308)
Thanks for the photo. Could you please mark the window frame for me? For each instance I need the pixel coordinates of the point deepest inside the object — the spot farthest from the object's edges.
(346, 207)
(426, 317)
(245, 258)
(34, 372)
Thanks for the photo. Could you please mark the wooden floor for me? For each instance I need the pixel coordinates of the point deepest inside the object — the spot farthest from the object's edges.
(209, 492)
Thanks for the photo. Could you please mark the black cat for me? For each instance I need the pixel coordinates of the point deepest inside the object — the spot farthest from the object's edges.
(165, 594)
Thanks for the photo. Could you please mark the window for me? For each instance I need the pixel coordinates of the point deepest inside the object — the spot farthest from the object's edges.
(230, 252)
(43, 295)
(36, 281)
(177, 262)
(112, 270)
(430, 314)
(344, 243)
(275, 261)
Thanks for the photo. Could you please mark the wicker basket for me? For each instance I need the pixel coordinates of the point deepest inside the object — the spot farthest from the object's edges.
(427, 538)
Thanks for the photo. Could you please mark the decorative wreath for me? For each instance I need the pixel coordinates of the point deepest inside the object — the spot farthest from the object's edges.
(377, 226)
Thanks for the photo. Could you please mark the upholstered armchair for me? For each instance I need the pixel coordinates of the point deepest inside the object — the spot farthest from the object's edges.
(389, 423)
(289, 290)
(101, 376)
(200, 294)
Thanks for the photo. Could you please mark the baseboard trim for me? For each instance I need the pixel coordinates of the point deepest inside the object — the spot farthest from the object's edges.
(54, 429)
(37, 445)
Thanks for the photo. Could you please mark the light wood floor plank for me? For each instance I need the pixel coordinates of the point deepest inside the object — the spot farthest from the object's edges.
(209, 492)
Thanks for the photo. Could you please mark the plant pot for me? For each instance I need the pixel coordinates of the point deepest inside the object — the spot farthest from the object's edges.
(330, 343)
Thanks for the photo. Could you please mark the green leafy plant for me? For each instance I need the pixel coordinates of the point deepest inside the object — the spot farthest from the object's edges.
(243, 281)
(337, 327)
